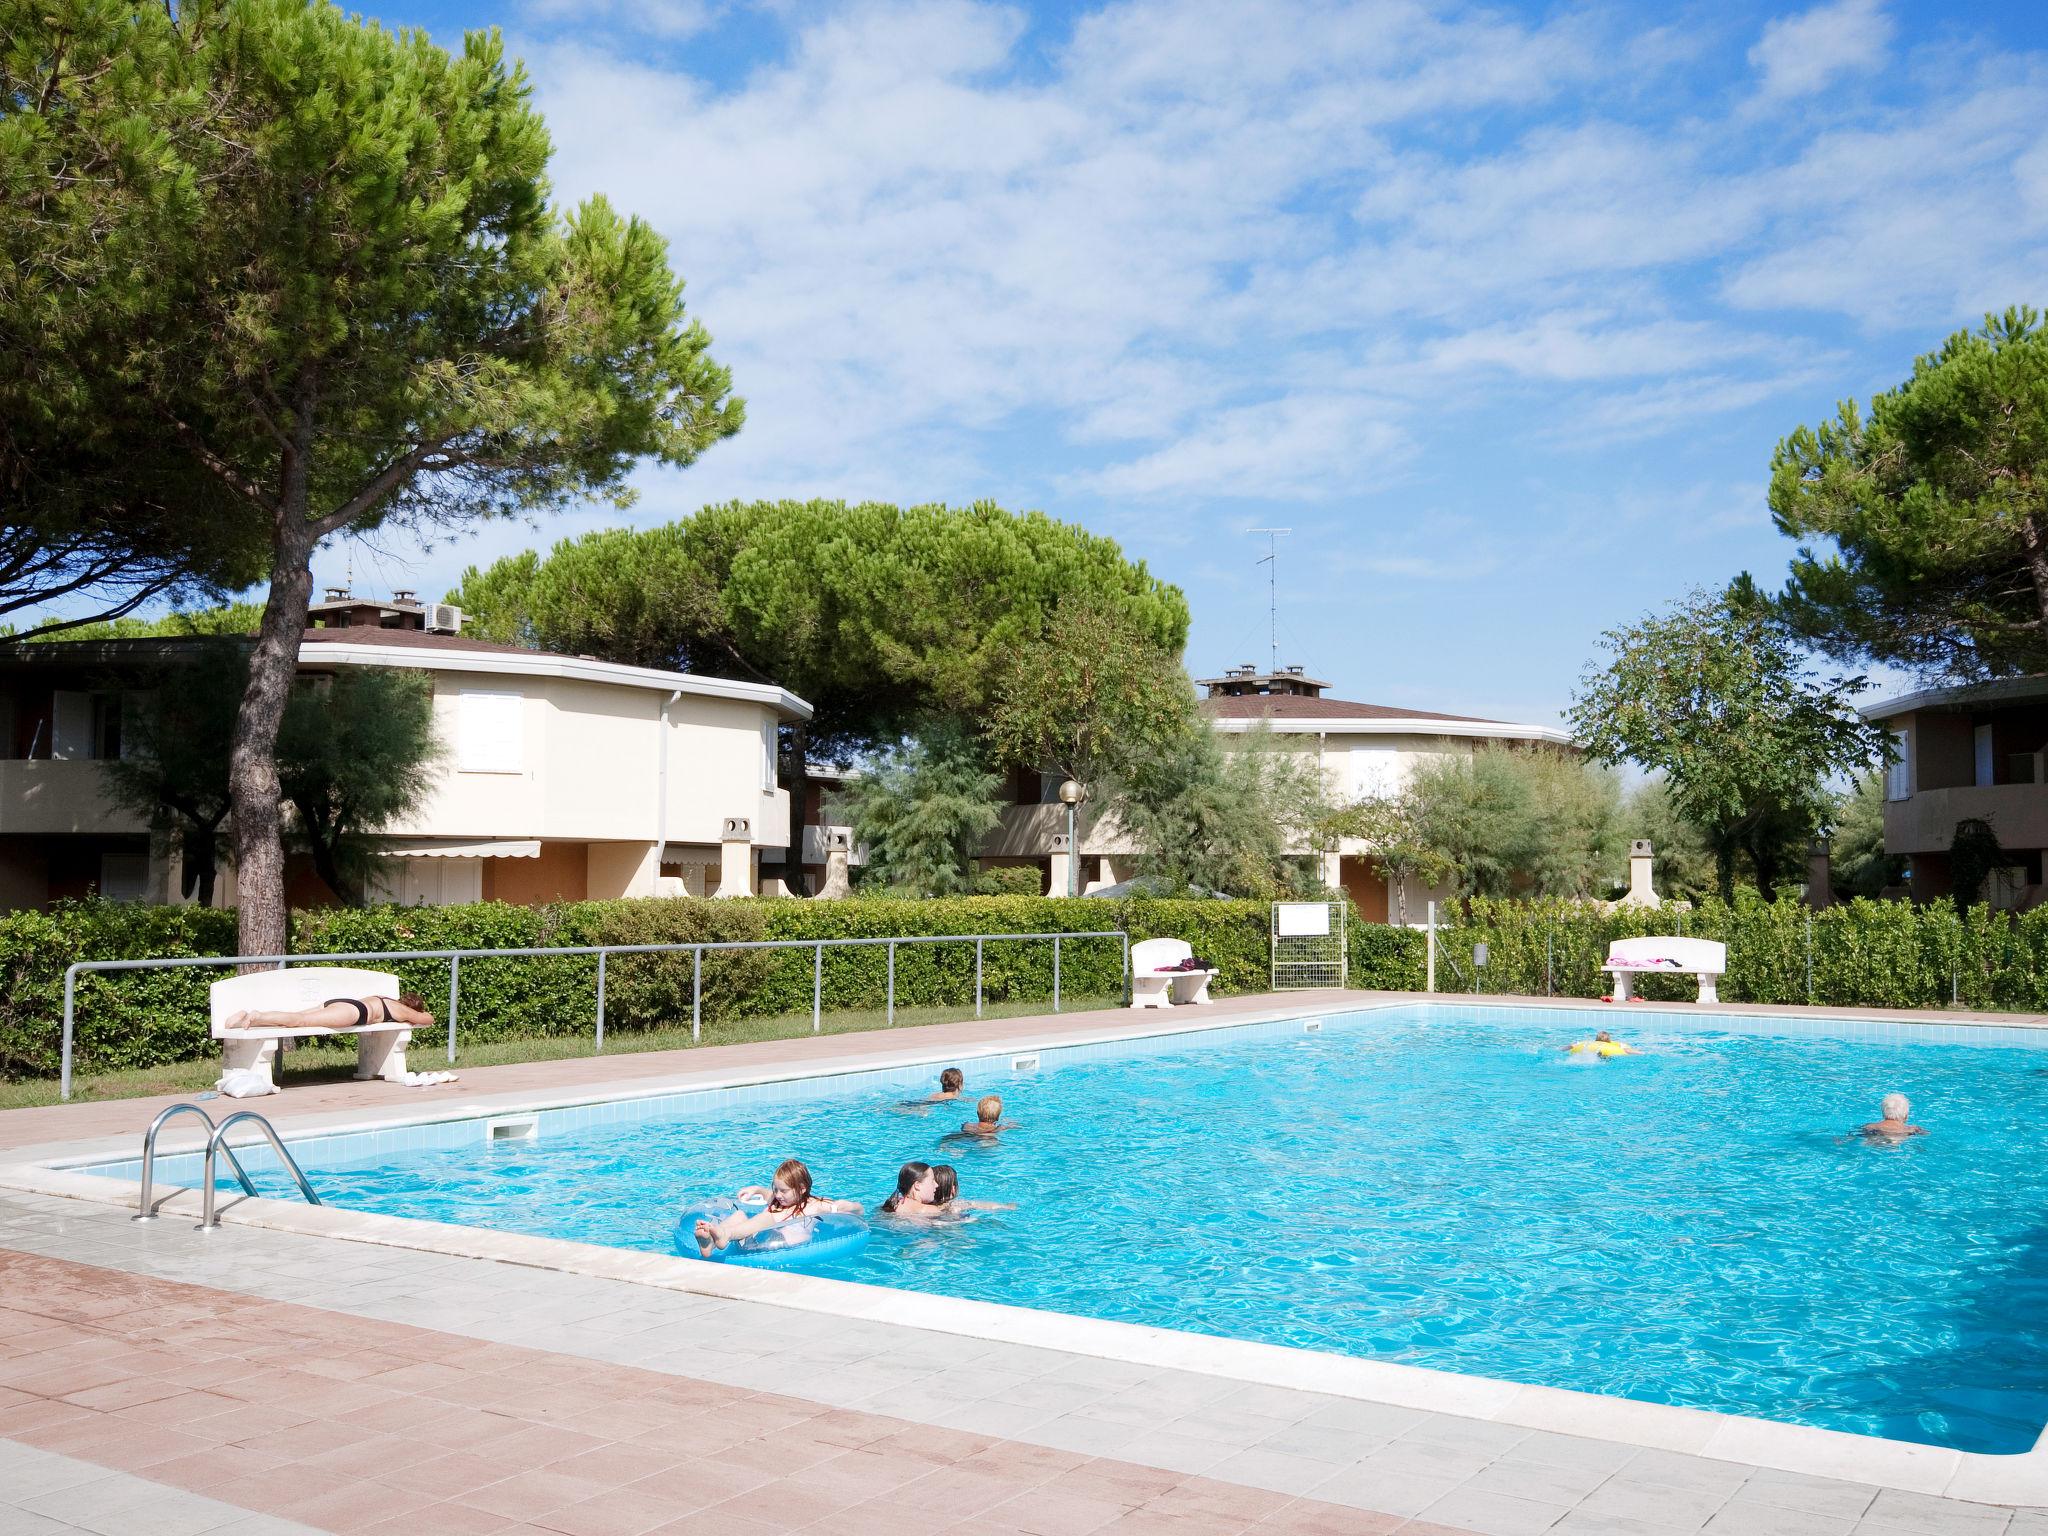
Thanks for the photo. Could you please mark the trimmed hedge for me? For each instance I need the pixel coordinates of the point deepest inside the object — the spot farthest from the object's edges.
(1877, 954)
(1880, 954)
(127, 1020)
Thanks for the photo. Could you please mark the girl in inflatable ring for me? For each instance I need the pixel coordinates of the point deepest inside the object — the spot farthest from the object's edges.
(788, 1197)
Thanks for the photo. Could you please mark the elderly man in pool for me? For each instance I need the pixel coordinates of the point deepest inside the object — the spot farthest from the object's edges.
(1897, 1123)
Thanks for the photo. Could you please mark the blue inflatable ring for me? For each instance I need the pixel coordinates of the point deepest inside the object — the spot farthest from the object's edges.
(802, 1240)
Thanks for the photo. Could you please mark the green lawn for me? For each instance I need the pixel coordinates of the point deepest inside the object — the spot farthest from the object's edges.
(334, 1061)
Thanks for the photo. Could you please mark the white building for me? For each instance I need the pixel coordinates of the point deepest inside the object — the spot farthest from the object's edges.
(1364, 750)
(561, 778)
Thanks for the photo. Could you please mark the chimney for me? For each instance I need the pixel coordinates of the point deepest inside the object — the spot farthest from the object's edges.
(1641, 893)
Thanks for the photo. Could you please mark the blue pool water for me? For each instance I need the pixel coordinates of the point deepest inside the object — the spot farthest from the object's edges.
(1692, 1226)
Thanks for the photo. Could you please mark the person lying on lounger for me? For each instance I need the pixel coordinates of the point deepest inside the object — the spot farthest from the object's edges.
(408, 1008)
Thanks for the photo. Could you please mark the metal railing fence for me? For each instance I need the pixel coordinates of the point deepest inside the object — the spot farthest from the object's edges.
(603, 952)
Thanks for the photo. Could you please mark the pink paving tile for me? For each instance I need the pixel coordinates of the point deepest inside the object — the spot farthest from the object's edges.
(444, 1520)
(620, 1464)
(40, 1413)
(185, 1406)
(707, 1523)
(540, 1446)
(531, 1494)
(884, 1517)
(795, 1503)
(270, 1488)
(354, 1508)
(701, 1483)
(447, 1476)
(620, 1512)
(1045, 1512)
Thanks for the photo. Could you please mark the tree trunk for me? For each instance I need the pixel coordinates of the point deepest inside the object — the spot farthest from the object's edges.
(2036, 545)
(261, 924)
(1724, 867)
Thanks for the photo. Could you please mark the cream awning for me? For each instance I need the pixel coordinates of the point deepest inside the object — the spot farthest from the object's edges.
(437, 848)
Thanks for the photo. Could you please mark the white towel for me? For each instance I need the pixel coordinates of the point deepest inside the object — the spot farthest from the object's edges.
(242, 1083)
(423, 1079)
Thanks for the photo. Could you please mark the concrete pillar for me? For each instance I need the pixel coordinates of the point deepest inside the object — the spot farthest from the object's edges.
(838, 880)
(1820, 874)
(1061, 865)
(1641, 893)
(736, 858)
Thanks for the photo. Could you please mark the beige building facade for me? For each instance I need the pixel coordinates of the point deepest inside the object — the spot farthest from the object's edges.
(1363, 750)
(560, 778)
(1975, 753)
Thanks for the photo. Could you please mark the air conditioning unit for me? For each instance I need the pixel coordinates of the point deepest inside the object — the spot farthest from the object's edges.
(444, 619)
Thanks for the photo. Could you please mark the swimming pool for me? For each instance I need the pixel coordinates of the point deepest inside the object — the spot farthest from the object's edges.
(1437, 1187)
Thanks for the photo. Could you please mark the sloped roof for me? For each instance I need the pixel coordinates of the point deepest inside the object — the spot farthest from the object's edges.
(1294, 706)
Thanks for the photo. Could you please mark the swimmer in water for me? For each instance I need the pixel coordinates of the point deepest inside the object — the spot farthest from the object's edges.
(1896, 1124)
(1602, 1045)
(789, 1197)
(952, 1083)
(916, 1194)
(946, 1193)
(988, 1119)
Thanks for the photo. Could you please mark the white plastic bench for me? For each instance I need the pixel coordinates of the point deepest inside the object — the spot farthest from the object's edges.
(1705, 958)
(380, 1048)
(1153, 985)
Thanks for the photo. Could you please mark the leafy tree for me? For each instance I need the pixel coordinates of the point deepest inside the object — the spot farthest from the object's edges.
(921, 811)
(1231, 820)
(1085, 695)
(1973, 853)
(356, 752)
(314, 261)
(1715, 696)
(1503, 822)
(1684, 868)
(880, 617)
(1857, 859)
(175, 768)
(227, 619)
(1936, 504)
(1395, 827)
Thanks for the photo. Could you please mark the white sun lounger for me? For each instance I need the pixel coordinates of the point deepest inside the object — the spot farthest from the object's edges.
(1155, 985)
(1705, 958)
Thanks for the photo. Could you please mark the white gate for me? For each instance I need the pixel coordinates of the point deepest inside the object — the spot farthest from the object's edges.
(1309, 948)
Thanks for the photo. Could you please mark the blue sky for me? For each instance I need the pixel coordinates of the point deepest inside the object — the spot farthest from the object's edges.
(1501, 309)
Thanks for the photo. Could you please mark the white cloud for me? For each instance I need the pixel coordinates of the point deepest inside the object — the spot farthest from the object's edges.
(1798, 55)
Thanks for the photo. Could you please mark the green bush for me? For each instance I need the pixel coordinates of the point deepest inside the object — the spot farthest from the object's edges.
(1867, 953)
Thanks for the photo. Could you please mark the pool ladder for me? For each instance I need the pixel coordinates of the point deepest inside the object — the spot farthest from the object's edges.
(216, 1141)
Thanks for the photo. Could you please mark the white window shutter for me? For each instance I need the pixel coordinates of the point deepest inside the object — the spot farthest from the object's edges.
(491, 733)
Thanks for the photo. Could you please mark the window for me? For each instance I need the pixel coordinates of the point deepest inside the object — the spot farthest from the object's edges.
(768, 735)
(1898, 779)
(491, 735)
(1987, 761)
(106, 726)
(124, 876)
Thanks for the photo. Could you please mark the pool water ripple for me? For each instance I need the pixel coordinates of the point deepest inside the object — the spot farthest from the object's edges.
(1693, 1226)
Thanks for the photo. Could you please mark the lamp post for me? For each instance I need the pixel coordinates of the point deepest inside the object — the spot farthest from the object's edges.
(1071, 795)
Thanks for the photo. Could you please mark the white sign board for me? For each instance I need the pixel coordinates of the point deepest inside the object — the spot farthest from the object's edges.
(1299, 919)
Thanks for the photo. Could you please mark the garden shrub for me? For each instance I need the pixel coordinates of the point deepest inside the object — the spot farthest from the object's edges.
(1863, 953)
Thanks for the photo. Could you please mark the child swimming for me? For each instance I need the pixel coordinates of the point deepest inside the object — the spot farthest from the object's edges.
(952, 1083)
(946, 1193)
(789, 1197)
(988, 1118)
(1602, 1045)
(916, 1192)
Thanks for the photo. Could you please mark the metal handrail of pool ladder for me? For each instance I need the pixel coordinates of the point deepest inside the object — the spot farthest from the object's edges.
(143, 1211)
(207, 1220)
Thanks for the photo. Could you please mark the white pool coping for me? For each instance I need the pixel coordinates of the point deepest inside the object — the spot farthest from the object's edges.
(2020, 1478)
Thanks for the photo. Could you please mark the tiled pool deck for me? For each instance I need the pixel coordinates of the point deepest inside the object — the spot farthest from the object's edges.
(155, 1379)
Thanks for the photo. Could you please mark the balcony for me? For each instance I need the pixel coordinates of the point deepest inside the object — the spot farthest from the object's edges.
(2018, 814)
(59, 797)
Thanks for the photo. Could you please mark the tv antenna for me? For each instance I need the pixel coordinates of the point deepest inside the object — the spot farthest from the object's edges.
(1271, 559)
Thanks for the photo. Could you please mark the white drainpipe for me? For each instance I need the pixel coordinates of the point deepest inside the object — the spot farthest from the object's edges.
(661, 790)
